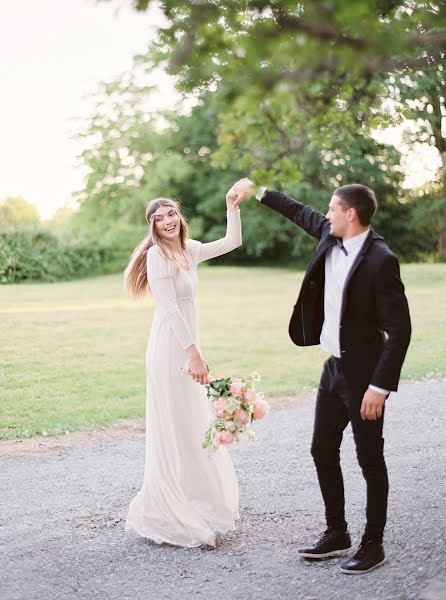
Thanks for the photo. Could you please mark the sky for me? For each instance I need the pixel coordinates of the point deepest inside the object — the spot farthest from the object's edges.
(53, 53)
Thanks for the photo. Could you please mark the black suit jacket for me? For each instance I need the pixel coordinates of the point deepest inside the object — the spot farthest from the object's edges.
(375, 323)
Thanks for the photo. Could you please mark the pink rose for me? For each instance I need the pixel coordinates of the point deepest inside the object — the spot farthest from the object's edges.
(219, 407)
(237, 387)
(241, 416)
(250, 395)
(261, 409)
(223, 437)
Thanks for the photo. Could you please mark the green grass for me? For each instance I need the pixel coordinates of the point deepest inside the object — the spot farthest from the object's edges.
(72, 354)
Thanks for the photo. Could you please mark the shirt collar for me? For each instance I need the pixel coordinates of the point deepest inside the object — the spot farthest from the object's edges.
(355, 243)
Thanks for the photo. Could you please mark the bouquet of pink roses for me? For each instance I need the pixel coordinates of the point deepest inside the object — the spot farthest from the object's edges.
(235, 404)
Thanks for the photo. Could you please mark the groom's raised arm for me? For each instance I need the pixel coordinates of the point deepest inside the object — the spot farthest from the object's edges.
(308, 219)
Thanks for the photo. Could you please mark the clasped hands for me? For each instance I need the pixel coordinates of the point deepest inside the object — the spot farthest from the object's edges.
(242, 190)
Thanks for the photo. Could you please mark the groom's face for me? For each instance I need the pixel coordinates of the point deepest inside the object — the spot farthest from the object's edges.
(337, 215)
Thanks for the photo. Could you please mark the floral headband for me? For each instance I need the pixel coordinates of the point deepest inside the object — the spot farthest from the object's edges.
(155, 214)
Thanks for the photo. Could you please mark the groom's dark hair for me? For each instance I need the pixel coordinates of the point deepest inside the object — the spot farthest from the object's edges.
(359, 197)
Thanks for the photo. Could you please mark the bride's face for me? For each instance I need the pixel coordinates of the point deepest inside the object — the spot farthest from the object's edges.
(167, 223)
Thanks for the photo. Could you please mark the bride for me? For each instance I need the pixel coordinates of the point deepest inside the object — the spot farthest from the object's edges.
(188, 494)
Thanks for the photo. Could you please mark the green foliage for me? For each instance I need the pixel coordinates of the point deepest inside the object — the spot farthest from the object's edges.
(265, 43)
(296, 93)
(198, 156)
(119, 242)
(15, 211)
(37, 255)
(419, 98)
(277, 142)
(337, 59)
(61, 221)
(144, 158)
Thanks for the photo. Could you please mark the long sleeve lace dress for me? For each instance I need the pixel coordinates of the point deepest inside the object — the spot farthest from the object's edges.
(188, 493)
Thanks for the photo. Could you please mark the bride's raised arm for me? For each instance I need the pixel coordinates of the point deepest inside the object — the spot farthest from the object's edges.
(232, 239)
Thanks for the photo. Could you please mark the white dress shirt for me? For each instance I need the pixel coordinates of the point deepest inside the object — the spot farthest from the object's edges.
(337, 267)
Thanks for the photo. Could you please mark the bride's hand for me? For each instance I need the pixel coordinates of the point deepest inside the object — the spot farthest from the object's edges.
(231, 198)
(198, 369)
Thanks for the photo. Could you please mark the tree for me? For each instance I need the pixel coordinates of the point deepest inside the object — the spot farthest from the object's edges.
(117, 139)
(270, 42)
(195, 157)
(333, 54)
(15, 211)
(420, 97)
(133, 156)
(277, 143)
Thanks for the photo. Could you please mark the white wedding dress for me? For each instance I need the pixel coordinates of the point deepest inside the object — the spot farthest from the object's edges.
(188, 493)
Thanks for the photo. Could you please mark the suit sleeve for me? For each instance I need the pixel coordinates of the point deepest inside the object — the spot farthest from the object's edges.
(394, 319)
(311, 221)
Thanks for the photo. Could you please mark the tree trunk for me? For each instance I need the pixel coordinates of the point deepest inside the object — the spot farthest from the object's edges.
(442, 246)
(440, 143)
(442, 235)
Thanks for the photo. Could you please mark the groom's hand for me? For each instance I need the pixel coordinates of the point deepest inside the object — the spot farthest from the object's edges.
(243, 189)
(372, 405)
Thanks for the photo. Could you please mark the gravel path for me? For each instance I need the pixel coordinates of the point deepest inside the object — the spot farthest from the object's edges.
(62, 518)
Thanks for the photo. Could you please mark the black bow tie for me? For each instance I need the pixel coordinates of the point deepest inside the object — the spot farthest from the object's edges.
(340, 245)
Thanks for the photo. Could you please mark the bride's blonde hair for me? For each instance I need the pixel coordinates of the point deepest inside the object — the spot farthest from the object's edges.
(135, 275)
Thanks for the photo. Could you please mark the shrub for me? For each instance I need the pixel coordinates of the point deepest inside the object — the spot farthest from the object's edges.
(38, 255)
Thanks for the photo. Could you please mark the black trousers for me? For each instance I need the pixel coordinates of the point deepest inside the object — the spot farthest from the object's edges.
(336, 406)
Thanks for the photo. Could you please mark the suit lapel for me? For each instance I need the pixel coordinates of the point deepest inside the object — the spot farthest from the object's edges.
(322, 248)
(358, 260)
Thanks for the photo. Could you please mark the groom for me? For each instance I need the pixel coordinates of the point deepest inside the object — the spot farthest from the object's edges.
(351, 302)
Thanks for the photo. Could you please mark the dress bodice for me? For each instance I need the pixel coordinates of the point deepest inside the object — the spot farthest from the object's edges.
(171, 286)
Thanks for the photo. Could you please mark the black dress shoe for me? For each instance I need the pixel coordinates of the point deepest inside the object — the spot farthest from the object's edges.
(370, 555)
(331, 543)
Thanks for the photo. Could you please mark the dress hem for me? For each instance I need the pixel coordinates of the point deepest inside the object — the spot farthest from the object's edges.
(157, 539)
